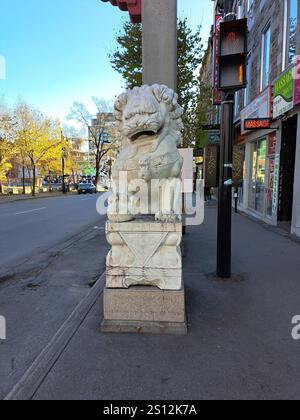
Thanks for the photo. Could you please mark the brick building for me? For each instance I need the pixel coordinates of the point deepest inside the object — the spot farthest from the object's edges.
(270, 187)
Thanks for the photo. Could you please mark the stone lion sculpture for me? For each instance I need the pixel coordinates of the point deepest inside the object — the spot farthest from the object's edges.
(150, 125)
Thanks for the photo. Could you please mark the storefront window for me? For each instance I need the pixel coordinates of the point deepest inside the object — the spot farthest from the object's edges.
(258, 176)
(262, 175)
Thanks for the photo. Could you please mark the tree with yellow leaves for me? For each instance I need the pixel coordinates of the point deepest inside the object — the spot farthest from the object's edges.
(37, 139)
(51, 163)
(6, 144)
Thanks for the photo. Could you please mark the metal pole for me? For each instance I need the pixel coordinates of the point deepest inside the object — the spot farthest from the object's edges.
(225, 184)
(63, 166)
(225, 188)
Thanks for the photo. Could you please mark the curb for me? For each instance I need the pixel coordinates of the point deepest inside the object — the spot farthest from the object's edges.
(30, 198)
(33, 378)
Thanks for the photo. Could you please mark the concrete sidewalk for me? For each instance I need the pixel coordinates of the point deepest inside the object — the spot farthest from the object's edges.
(239, 344)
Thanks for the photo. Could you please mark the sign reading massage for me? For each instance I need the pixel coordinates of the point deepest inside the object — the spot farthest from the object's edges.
(259, 108)
(283, 93)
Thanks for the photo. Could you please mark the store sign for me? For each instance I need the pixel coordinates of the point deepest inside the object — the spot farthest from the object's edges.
(213, 136)
(217, 96)
(284, 93)
(259, 108)
(257, 124)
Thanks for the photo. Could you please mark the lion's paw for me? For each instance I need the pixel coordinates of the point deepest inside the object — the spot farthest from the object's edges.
(167, 217)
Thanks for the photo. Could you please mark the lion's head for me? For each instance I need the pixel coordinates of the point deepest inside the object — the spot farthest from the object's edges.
(148, 112)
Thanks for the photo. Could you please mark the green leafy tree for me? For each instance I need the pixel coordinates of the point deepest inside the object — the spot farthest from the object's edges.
(128, 58)
(127, 61)
(201, 116)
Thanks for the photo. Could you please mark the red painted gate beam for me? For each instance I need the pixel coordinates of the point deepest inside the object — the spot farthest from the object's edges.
(134, 7)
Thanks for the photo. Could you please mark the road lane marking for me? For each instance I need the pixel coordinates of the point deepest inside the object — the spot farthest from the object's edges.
(30, 211)
(88, 199)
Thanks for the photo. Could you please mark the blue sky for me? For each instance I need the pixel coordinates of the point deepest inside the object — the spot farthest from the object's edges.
(56, 51)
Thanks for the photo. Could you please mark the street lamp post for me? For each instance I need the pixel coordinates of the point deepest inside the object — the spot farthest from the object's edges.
(63, 165)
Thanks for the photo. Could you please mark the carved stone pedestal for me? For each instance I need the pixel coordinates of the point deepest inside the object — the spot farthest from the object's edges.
(144, 252)
(144, 291)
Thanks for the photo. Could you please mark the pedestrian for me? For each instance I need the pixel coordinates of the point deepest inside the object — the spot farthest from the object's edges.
(207, 193)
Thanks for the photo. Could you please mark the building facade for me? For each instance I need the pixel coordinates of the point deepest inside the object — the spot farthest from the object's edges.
(270, 159)
(100, 128)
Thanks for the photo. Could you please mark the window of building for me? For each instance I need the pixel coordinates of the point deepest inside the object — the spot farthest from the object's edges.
(258, 175)
(236, 104)
(290, 32)
(265, 58)
(247, 90)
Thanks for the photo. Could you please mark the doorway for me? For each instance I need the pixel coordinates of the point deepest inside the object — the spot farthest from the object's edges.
(287, 170)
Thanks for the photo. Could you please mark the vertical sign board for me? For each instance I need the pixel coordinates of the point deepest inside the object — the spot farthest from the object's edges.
(276, 184)
(284, 93)
(217, 96)
(238, 165)
(211, 166)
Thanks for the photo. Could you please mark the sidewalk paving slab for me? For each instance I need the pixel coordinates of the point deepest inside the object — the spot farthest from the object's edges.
(239, 344)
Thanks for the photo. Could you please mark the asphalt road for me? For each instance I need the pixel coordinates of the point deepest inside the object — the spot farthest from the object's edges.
(52, 251)
(30, 227)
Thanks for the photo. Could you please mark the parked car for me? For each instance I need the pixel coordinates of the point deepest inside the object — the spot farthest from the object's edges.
(87, 188)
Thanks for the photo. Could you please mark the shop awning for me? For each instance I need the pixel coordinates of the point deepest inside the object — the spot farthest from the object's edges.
(134, 7)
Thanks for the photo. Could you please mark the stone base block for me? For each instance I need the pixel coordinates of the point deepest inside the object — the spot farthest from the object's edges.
(144, 310)
(136, 327)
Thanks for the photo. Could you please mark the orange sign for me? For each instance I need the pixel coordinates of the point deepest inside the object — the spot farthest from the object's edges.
(257, 124)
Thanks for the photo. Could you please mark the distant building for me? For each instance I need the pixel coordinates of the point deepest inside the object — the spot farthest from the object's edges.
(79, 150)
(100, 127)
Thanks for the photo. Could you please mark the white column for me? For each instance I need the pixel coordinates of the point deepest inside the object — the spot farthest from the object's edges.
(296, 201)
(160, 42)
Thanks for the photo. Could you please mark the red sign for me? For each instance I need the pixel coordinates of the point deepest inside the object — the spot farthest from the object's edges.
(133, 6)
(257, 124)
(217, 96)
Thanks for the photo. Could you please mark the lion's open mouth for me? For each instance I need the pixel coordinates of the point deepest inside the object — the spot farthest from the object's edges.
(142, 135)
